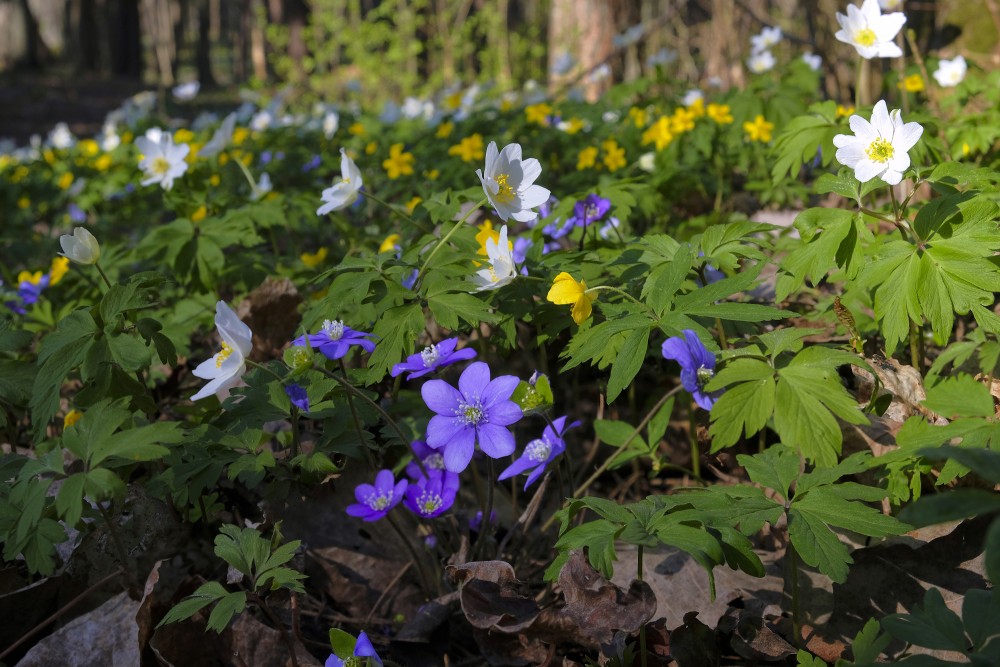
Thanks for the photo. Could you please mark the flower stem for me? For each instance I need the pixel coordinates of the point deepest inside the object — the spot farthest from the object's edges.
(642, 630)
(413, 554)
(104, 276)
(460, 223)
(357, 420)
(279, 626)
(616, 290)
(486, 527)
(607, 463)
(395, 211)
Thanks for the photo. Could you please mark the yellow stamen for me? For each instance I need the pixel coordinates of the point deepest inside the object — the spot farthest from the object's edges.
(880, 150)
(505, 193)
(160, 166)
(865, 37)
(223, 355)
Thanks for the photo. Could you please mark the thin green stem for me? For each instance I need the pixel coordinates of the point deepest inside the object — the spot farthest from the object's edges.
(395, 211)
(793, 575)
(451, 232)
(628, 441)
(104, 276)
(486, 527)
(642, 630)
(356, 418)
(417, 560)
(296, 438)
(621, 292)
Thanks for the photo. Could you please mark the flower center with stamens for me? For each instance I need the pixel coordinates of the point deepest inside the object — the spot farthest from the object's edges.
(354, 661)
(333, 328)
(589, 213)
(704, 375)
(865, 37)
(538, 450)
(378, 502)
(505, 193)
(880, 150)
(470, 414)
(434, 462)
(160, 166)
(430, 355)
(223, 354)
(429, 502)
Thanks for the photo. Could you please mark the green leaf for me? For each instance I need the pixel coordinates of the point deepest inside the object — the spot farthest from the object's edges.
(830, 238)
(775, 468)
(992, 544)
(743, 408)
(342, 643)
(801, 138)
(616, 433)
(202, 597)
(534, 398)
(396, 330)
(980, 611)
(933, 626)
(950, 506)
(129, 351)
(449, 307)
(960, 396)
(60, 352)
(630, 358)
(817, 545)
(225, 609)
(806, 659)
(824, 504)
(69, 501)
(869, 643)
(599, 539)
(985, 462)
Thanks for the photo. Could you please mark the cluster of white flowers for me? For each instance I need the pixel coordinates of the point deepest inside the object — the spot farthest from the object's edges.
(761, 59)
(870, 31)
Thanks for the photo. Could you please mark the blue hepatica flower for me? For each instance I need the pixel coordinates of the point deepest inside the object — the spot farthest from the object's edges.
(431, 458)
(697, 365)
(433, 357)
(362, 649)
(375, 501)
(476, 522)
(480, 410)
(30, 291)
(313, 163)
(590, 210)
(298, 396)
(334, 339)
(432, 495)
(540, 452)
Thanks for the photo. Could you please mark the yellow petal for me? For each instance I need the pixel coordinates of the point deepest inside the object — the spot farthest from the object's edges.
(565, 290)
(582, 308)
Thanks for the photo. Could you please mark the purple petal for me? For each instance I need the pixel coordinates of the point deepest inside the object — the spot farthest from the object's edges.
(384, 481)
(359, 511)
(504, 413)
(458, 453)
(441, 397)
(676, 348)
(447, 346)
(362, 491)
(364, 649)
(533, 477)
(495, 441)
(517, 467)
(333, 661)
(701, 355)
(397, 493)
(461, 355)
(442, 430)
(474, 380)
(500, 389)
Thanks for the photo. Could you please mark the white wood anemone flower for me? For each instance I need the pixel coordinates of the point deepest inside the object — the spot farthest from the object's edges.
(224, 370)
(502, 269)
(870, 31)
(162, 160)
(951, 72)
(878, 148)
(345, 192)
(81, 246)
(508, 183)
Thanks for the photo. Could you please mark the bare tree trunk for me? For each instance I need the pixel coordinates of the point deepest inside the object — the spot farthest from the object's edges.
(35, 53)
(584, 29)
(203, 52)
(257, 53)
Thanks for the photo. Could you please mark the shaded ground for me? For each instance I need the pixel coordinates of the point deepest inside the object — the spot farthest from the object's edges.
(32, 103)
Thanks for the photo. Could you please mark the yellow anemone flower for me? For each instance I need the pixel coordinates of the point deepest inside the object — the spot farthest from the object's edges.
(586, 158)
(313, 259)
(566, 290)
(758, 129)
(72, 417)
(390, 243)
(59, 268)
(399, 163)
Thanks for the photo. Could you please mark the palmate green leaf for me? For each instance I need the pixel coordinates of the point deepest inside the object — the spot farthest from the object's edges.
(205, 595)
(225, 609)
(950, 505)
(817, 545)
(630, 359)
(932, 626)
(69, 501)
(665, 279)
(60, 352)
(802, 137)
(828, 506)
(396, 330)
(593, 343)
(960, 396)
(599, 538)
(747, 403)
(449, 307)
(980, 611)
(775, 468)
(831, 237)
(869, 643)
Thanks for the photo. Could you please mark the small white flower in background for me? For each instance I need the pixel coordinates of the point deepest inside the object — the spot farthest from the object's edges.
(814, 61)
(154, 134)
(647, 162)
(80, 247)
(662, 57)
(599, 73)
(761, 62)
(109, 139)
(226, 368)
(390, 113)
(262, 187)
(890, 5)
(508, 183)
(186, 91)
(61, 137)
(870, 31)
(502, 269)
(629, 37)
(767, 38)
(951, 72)
(262, 120)
(611, 117)
(220, 139)
(162, 161)
(692, 96)
(343, 193)
(878, 148)
(563, 63)
(331, 121)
